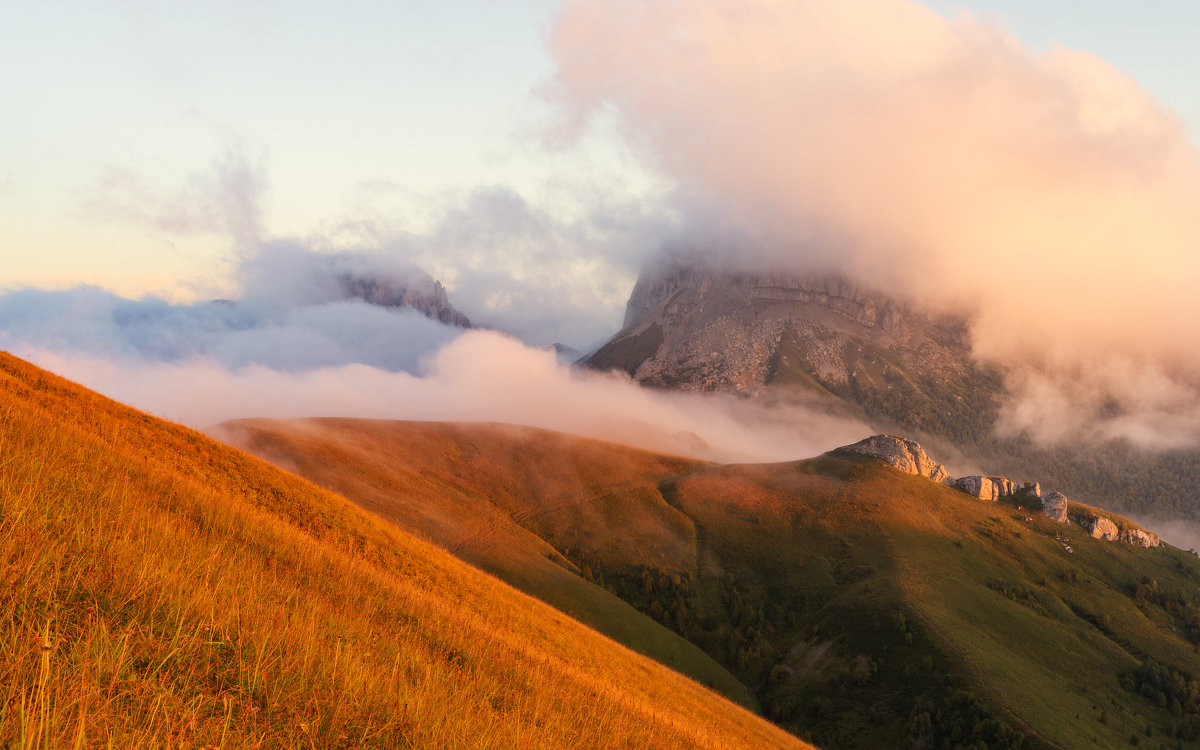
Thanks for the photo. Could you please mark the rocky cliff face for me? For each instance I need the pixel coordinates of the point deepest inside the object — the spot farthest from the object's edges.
(984, 488)
(695, 327)
(421, 292)
(853, 303)
(994, 488)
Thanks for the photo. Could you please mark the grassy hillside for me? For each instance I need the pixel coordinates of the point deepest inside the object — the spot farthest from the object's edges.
(158, 589)
(903, 595)
(864, 607)
(485, 492)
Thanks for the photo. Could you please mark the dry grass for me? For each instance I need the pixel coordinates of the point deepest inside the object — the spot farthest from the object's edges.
(160, 590)
(494, 495)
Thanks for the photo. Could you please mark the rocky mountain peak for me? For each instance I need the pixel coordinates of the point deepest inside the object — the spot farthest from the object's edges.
(419, 292)
(693, 325)
(835, 294)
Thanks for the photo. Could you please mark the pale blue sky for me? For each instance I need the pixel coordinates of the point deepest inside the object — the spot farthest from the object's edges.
(125, 122)
(1154, 41)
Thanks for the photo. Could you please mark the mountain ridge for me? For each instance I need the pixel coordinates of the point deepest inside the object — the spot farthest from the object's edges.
(423, 293)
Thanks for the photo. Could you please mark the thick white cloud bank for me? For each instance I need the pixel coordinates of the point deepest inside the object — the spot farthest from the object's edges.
(479, 376)
(1045, 194)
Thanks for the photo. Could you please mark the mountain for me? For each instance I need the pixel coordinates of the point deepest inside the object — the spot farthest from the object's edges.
(159, 589)
(830, 343)
(862, 606)
(417, 291)
(692, 327)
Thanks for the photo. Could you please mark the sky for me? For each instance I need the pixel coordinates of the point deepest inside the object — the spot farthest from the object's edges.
(1030, 165)
(125, 119)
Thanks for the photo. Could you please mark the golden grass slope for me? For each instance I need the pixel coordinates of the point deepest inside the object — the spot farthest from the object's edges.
(158, 589)
(490, 493)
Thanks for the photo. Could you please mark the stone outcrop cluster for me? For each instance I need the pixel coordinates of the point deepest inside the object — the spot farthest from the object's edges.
(994, 488)
(909, 457)
(1056, 506)
(981, 487)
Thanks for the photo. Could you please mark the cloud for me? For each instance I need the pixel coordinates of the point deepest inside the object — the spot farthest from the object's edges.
(544, 273)
(295, 314)
(1045, 195)
(1106, 397)
(300, 342)
(556, 273)
(223, 199)
(479, 376)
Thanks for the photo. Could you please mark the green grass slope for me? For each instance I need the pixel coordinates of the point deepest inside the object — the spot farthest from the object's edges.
(868, 608)
(158, 589)
(857, 599)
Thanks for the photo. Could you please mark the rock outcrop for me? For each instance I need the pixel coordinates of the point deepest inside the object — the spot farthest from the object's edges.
(994, 488)
(1054, 507)
(1004, 486)
(903, 454)
(909, 457)
(1101, 528)
(984, 488)
(1140, 538)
